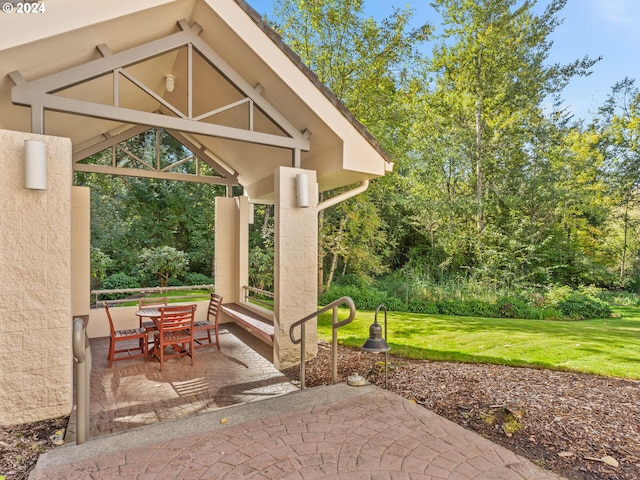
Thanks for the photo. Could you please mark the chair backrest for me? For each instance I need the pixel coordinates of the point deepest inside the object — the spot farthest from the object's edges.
(178, 317)
(214, 307)
(106, 309)
(144, 302)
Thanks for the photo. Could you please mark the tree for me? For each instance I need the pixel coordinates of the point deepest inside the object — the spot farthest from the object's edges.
(492, 56)
(483, 125)
(618, 122)
(363, 62)
(164, 263)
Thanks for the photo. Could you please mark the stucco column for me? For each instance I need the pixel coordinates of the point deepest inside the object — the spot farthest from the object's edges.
(35, 285)
(80, 250)
(231, 263)
(296, 256)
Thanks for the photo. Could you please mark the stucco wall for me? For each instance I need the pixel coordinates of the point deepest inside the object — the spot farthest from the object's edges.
(296, 266)
(35, 284)
(232, 247)
(80, 250)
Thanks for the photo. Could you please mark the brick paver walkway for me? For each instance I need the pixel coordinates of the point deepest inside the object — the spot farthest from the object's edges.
(195, 423)
(367, 433)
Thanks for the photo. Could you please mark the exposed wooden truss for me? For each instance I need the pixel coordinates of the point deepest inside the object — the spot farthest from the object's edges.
(155, 169)
(40, 95)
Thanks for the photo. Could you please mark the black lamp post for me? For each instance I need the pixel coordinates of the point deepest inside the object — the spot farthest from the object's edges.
(376, 343)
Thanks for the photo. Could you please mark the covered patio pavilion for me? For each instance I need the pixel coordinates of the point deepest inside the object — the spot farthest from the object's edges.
(80, 77)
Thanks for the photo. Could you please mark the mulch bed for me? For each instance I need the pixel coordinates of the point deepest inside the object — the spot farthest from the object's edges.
(580, 426)
(21, 445)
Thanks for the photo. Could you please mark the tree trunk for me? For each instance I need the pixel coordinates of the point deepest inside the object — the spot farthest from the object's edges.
(479, 172)
(334, 262)
(336, 249)
(624, 244)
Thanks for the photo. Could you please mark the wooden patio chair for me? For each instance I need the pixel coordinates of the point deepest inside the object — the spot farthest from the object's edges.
(175, 329)
(210, 324)
(138, 335)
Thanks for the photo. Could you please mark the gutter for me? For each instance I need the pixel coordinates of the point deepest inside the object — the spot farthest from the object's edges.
(343, 196)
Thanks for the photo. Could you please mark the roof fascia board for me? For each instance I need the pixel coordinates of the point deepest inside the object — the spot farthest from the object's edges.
(283, 60)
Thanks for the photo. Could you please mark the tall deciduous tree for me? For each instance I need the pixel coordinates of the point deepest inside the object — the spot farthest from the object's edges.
(618, 122)
(362, 61)
(492, 56)
(484, 125)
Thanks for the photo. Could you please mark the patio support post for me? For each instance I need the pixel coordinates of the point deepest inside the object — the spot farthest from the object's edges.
(36, 374)
(231, 247)
(295, 270)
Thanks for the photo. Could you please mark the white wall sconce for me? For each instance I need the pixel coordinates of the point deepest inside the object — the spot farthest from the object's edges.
(302, 187)
(169, 82)
(35, 165)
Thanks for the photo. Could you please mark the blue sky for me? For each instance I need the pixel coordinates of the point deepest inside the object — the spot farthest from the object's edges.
(607, 28)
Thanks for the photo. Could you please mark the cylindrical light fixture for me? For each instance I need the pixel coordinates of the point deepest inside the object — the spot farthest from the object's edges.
(376, 343)
(169, 82)
(35, 165)
(302, 187)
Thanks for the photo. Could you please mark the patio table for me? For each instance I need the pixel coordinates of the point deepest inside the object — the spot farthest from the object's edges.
(149, 312)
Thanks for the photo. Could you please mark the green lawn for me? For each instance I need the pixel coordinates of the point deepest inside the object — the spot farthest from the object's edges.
(603, 346)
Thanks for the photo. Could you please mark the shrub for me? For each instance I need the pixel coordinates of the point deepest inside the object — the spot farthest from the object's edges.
(578, 306)
(422, 306)
(119, 281)
(513, 307)
(164, 263)
(364, 298)
(195, 278)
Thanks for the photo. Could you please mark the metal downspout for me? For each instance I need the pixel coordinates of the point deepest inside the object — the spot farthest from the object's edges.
(343, 196)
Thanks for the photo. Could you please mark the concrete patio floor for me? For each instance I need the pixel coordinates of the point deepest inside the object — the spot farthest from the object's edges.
(133, 393)
(234, 416)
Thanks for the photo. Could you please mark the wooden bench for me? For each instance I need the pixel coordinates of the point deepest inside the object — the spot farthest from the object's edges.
(250, 321)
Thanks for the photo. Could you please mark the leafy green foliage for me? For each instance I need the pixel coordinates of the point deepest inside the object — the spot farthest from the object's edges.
(261, 253)
(164, 263)
(119, 281)
(195, 278)
(558, 303)
(100, 263)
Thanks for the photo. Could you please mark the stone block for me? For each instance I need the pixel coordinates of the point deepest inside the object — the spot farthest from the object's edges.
(11, 342)
(11, 382)
(43, 340)
(60, 398)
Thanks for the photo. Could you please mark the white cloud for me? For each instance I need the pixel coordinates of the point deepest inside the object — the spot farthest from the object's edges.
(625, 12)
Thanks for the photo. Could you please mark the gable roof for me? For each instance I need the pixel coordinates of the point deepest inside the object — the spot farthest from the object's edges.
(242, 100)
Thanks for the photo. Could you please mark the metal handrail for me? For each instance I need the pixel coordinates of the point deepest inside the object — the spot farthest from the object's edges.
(82, 355)
(334, 335)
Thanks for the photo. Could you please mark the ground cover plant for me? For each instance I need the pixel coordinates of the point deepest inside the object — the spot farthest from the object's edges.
(609, 346)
